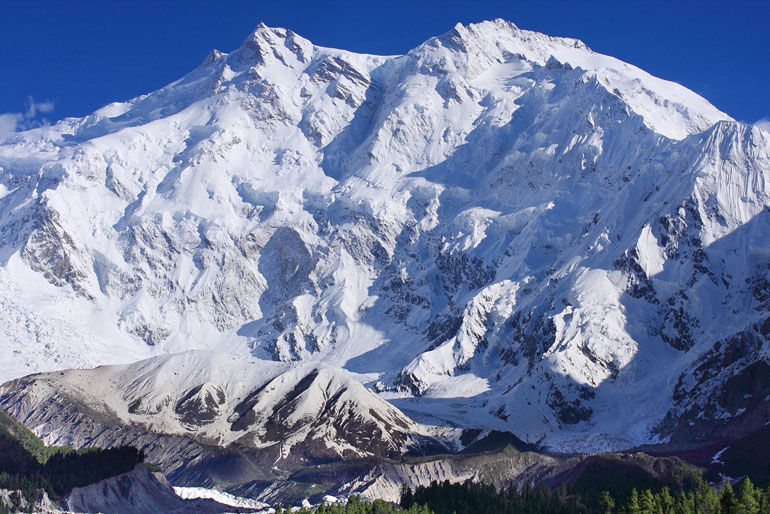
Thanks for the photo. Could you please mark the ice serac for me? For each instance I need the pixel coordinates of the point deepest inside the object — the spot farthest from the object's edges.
(498, 230)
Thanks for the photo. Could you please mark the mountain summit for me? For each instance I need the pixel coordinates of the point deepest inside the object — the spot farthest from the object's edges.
(499, 230)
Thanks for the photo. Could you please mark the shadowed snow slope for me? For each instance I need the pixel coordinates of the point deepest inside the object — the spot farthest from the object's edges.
(499, 229)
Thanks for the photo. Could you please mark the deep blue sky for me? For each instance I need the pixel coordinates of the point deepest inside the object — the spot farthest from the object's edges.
(82, 54)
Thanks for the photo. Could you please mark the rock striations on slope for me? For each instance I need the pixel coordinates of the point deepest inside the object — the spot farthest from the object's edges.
(498, 230)
(206, 418)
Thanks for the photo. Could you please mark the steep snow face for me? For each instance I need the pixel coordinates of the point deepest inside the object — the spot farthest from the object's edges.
(498, 229)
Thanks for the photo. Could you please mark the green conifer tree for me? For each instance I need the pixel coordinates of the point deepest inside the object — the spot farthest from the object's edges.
(665, 502)
(632, 506)
(764, 503)
(728, 501)
(647, 502)
(749, 497)
(606, 502)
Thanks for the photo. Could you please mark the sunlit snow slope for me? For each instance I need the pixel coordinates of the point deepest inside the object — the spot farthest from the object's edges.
(498, 229)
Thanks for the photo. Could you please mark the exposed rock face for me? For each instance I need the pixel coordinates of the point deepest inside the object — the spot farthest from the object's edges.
(14, 501)
(495, 458)
(131, 493)
(189, 416)
(498, 230)
(140, 492)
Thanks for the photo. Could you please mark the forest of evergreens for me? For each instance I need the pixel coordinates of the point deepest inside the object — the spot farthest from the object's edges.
(356, 505)
(699, 498)
(29, 466)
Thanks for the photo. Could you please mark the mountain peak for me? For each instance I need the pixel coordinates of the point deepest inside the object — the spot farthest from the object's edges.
(267, 43)
(472, 51)
(263, 28)
(492, 216)
(264, 33)
(498, 31)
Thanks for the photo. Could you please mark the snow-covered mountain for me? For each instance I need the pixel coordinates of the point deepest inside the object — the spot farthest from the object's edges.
(498, 230)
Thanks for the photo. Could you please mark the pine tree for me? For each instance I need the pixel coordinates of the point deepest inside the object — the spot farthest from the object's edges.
(727, 501)
(749, 497)
(764, 503)
(706, 499)
(407, 497)
(685, 503)
(606, 502)
(632, 506)
(665, 502)
(647, 502)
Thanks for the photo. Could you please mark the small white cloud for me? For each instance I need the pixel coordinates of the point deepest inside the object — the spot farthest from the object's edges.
(34, 107)
(764, 124)
(9, 121)
(13, 121)
(46, 106)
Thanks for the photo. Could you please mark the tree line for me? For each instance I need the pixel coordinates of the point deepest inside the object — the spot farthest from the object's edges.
(58, 472)
(355, 505)
(705, 499)
(699, 498)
